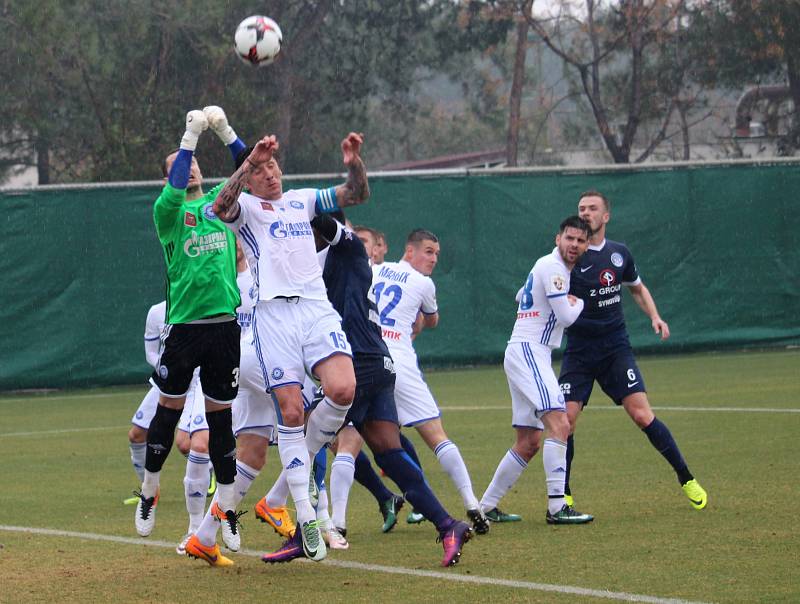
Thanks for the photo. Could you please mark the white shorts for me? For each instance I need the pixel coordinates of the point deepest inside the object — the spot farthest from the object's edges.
(189, 421)
(415, 403)
(193, 418)
(534, 387)
(292, 335)
(253, 409)
(147, 409)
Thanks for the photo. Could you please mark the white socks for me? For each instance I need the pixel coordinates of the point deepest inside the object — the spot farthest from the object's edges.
(150, 484)
(323, 518)
(451, 461)
(245, 475)
(342, 471)
(195, 487)
(279, 493)
(138, 451)
(297, 466)
(554, 459)
(323, 424)
(505, 476)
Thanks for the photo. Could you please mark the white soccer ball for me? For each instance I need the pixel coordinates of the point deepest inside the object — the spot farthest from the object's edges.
(257, 40)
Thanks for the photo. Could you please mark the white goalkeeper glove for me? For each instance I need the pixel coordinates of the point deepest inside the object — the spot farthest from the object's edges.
(219, 124)
(196, 122)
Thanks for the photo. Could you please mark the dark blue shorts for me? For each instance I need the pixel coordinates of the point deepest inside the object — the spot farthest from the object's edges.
(610, 363)
(374, 399)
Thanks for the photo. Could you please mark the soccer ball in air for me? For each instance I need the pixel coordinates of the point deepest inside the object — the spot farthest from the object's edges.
(257, 40)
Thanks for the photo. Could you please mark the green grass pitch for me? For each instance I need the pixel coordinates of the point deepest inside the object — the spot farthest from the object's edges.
(736, 417)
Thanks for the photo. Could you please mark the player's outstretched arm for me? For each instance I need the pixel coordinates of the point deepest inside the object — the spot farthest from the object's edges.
(196, 123)
(218, 122)
(226, 205)
(355, 189)
(166, 209)
(645, 301)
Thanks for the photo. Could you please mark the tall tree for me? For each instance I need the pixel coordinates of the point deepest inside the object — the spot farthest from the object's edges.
(628, 58)
(746, 42)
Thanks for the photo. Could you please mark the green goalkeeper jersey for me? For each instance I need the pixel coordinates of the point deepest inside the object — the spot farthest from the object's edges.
(200, 252)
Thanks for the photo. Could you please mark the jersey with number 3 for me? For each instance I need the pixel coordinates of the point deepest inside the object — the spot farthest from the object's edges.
(400, 293)
(536, 321)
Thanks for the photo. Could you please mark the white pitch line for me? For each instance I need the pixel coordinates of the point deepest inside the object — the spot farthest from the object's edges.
(377, 568)
(466, 408)
(656, 408)
(47, 398)
(64, 431)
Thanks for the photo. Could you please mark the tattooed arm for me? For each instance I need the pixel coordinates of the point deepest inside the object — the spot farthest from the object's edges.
(226, 206)
(355, 189)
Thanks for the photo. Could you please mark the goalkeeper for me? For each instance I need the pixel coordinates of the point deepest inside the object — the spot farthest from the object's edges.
(201, 328)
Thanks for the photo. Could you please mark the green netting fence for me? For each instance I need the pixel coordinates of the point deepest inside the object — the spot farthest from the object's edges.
(717, 244)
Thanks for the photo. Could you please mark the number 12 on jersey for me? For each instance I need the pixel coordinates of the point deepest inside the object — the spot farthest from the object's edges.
(396, 292)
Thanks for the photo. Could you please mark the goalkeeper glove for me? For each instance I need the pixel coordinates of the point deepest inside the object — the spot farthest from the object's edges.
(196, 122)
(219, 124)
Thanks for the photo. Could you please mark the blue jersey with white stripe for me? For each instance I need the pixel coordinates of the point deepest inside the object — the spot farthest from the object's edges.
(597, 279)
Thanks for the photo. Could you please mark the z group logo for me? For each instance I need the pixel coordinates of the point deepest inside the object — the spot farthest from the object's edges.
(607, 277)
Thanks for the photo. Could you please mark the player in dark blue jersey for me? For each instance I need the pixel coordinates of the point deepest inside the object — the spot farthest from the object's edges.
(598, 347)
(348, 279)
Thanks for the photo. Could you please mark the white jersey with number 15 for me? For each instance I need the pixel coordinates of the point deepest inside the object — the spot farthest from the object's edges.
(400, 293)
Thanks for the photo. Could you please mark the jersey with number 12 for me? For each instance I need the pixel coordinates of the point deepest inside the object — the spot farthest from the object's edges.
(400, 293)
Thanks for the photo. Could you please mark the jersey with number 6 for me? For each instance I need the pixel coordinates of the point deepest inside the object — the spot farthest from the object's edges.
(536, 321)
(400, 293)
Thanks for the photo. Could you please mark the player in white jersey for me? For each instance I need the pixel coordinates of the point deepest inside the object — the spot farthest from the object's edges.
(192, 436)
(406, 299)
(544, 310)
(296, 331)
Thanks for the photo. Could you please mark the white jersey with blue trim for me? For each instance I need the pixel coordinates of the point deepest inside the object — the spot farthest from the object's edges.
(249, 295)
(279, 243)
(536, 319)
(400, 293)
(154, 325)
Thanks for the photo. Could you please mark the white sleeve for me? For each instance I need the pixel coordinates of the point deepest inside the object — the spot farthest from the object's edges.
(152, 334)
(555, 280)
(564, 312)
(428, 305)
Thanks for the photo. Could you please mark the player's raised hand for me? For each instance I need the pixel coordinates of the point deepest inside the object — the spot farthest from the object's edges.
(196, 123)
(660, 326)
(264, 150)
(218, 122)
(351, 147)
